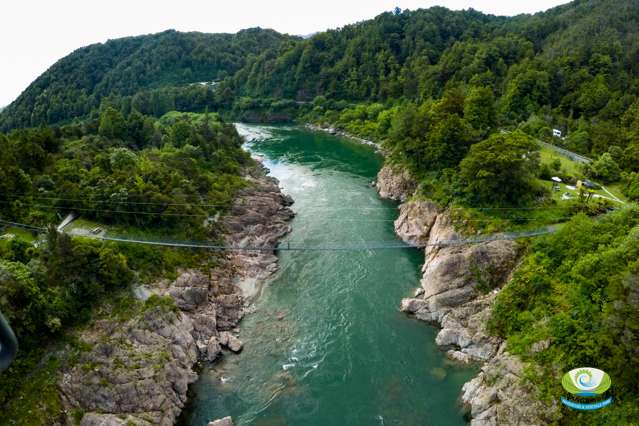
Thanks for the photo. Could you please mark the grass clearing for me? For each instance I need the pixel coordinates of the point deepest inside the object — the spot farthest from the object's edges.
(571, 167)
(20, 233)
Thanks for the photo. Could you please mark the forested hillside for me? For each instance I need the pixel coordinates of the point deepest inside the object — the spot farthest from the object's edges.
(431, 83)
(132, 174)
(530, 61)
(75, 85)
(458, 99)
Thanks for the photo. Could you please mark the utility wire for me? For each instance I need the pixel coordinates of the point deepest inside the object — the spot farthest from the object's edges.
(173, 214)
(91, 200)
(196, 204)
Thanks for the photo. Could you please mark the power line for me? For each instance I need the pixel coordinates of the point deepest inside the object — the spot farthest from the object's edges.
(48, 206)
(196, 204)
(173, 214)
(22, 225)
(91, 200)
(41, 206)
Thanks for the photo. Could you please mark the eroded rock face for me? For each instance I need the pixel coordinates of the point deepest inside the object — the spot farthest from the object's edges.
(458, 287)
(229, 310)
(457, 280)
(498, 396)
(141, 368)
(415, 221)
(394, 183)
(139, 372)
(190, 290)
(97, 419)
(259, 219)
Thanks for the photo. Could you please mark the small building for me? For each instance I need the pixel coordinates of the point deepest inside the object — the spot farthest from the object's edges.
(556, 133)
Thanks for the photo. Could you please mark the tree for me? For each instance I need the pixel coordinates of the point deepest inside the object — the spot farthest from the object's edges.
(606, 168)
(112, 124)
(526, 92)
(501, 169)
(594, 95)
(479, 108)
(122, 159)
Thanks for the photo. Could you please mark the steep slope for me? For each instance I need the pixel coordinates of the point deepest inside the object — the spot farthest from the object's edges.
(379, 58)
(529, 61)
(76, 84)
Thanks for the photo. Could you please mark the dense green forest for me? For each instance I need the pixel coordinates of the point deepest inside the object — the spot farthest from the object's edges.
(579, 291)
(459, 99)
(128, 170)
(76, 85)
(572, 68)
(132, 174)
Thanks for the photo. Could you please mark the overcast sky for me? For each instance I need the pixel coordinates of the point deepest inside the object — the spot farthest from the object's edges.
(35, 34)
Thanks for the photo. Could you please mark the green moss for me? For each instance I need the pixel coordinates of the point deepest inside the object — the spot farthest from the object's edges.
(76, 415)
(35, 400)
(165, 303)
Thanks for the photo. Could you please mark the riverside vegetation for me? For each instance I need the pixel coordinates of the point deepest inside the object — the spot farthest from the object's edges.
(136, 174)
(456, 100)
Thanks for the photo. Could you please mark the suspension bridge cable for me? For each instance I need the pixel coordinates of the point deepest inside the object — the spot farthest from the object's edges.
(287, 246)
(365, 246)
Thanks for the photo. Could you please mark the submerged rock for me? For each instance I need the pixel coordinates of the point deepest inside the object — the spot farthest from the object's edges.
(230, 341)
(226, 421)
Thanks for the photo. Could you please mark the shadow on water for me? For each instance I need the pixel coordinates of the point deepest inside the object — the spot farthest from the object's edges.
(327, 344)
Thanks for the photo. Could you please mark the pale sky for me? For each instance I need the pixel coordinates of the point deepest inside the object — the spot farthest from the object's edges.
(34, 34)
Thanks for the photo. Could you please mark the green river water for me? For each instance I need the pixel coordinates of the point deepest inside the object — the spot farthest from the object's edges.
(327, 344)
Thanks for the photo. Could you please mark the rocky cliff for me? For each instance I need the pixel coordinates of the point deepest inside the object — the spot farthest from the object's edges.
(394, 183)
(138, 371)
(458, 286)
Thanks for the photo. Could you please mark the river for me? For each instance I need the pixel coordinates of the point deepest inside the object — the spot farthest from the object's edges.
(327, 344)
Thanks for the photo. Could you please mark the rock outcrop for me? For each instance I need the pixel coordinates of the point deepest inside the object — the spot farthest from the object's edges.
(415, 221)
(226, 421)
(138, 371)
(394, 183)
(259, 218)
(457, 280)
(458, 287)
(498, 396)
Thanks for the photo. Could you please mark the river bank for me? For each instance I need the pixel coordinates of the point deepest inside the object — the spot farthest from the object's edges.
(337, 132)
(456, 293)
(138, 372)
(326, 343)
(458, 287)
